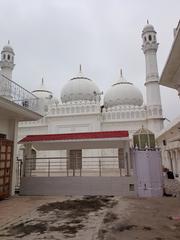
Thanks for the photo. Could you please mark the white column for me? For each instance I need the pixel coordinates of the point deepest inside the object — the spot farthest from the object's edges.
(12, 135)
(176, 161)
(170, 160)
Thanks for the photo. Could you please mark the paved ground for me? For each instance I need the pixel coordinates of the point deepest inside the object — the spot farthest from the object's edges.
(90, 218)
(15, 207)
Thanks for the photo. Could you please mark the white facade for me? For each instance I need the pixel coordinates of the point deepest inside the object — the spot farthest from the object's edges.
(169, 138)
(171, 72)
(12, 110)
(123, 108)
(169, 142)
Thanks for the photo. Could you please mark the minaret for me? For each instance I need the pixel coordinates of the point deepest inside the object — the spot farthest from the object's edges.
(154, 108)
(7, 66)
(7, 61)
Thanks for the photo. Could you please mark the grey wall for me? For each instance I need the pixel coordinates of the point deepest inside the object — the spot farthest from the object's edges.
(118, 186)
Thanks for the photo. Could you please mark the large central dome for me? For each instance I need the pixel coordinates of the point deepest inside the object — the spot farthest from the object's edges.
(80, 88)
(123, 93)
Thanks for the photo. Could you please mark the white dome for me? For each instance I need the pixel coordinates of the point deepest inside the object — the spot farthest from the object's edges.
(148, 28)
(80, 88)
(123, 93)
(8, 48)
(42, 92)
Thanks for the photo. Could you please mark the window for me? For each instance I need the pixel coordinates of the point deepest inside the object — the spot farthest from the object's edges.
(150, 38)
(4, 56)
(164, 142)
(25, 103)
(8, 57)
(145, 39)
(131, 187)
(75, 159)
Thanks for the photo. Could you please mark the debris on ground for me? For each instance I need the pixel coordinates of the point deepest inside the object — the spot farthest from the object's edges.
(95, 218)
(66, 217)
(174, 218)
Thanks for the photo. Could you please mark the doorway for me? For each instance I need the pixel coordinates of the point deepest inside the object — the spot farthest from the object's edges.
(6, 160)
(75, 159)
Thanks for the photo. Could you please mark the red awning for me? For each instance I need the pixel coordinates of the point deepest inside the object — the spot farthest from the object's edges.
(70, 136)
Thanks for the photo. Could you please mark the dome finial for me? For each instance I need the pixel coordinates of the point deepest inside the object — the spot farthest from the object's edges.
(80, 71)
(121, 74)
(42, 81)
(147, 21)
(121, 78)
(80, 68)
(8, 42)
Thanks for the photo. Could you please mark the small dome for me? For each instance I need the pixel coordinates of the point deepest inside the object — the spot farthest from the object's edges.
(42, 92)
(123, 93)
(148, 28)
(144, 138)
(143, 130)
(8, 48)
(80, 88)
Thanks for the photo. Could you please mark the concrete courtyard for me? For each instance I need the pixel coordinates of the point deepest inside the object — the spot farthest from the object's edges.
(90, 218)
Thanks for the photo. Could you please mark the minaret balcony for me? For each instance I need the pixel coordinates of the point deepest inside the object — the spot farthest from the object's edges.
(150, 47)
(6, 64)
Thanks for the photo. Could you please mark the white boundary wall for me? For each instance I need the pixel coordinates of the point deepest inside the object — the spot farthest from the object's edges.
(78, 186)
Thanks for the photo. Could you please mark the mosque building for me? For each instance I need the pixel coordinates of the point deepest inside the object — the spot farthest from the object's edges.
(83, 108)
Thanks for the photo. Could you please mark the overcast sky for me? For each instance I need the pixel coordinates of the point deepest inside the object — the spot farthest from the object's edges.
(52, 37)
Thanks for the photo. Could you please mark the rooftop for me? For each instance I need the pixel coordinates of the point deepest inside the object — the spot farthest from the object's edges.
(170, 76)
(14, 98)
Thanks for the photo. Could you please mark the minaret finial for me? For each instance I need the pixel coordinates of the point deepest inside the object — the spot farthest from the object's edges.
(121, 74)
(80, 68)
(147, 21)
(42, 81)
(8, 42)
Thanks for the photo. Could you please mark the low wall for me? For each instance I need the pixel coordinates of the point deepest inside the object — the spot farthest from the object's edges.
(118, 186)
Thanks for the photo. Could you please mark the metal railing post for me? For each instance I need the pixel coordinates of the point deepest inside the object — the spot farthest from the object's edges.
(74, 166)
(30, 167)
(20, 170)
(24, 166)
(80, 166)
(120, 169)
(100, 167)
(127, 164)
(67, 167)
(49, 168)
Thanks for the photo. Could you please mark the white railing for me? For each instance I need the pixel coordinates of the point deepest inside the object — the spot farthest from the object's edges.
(124, 113)
(17, 94)
(74, 108)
